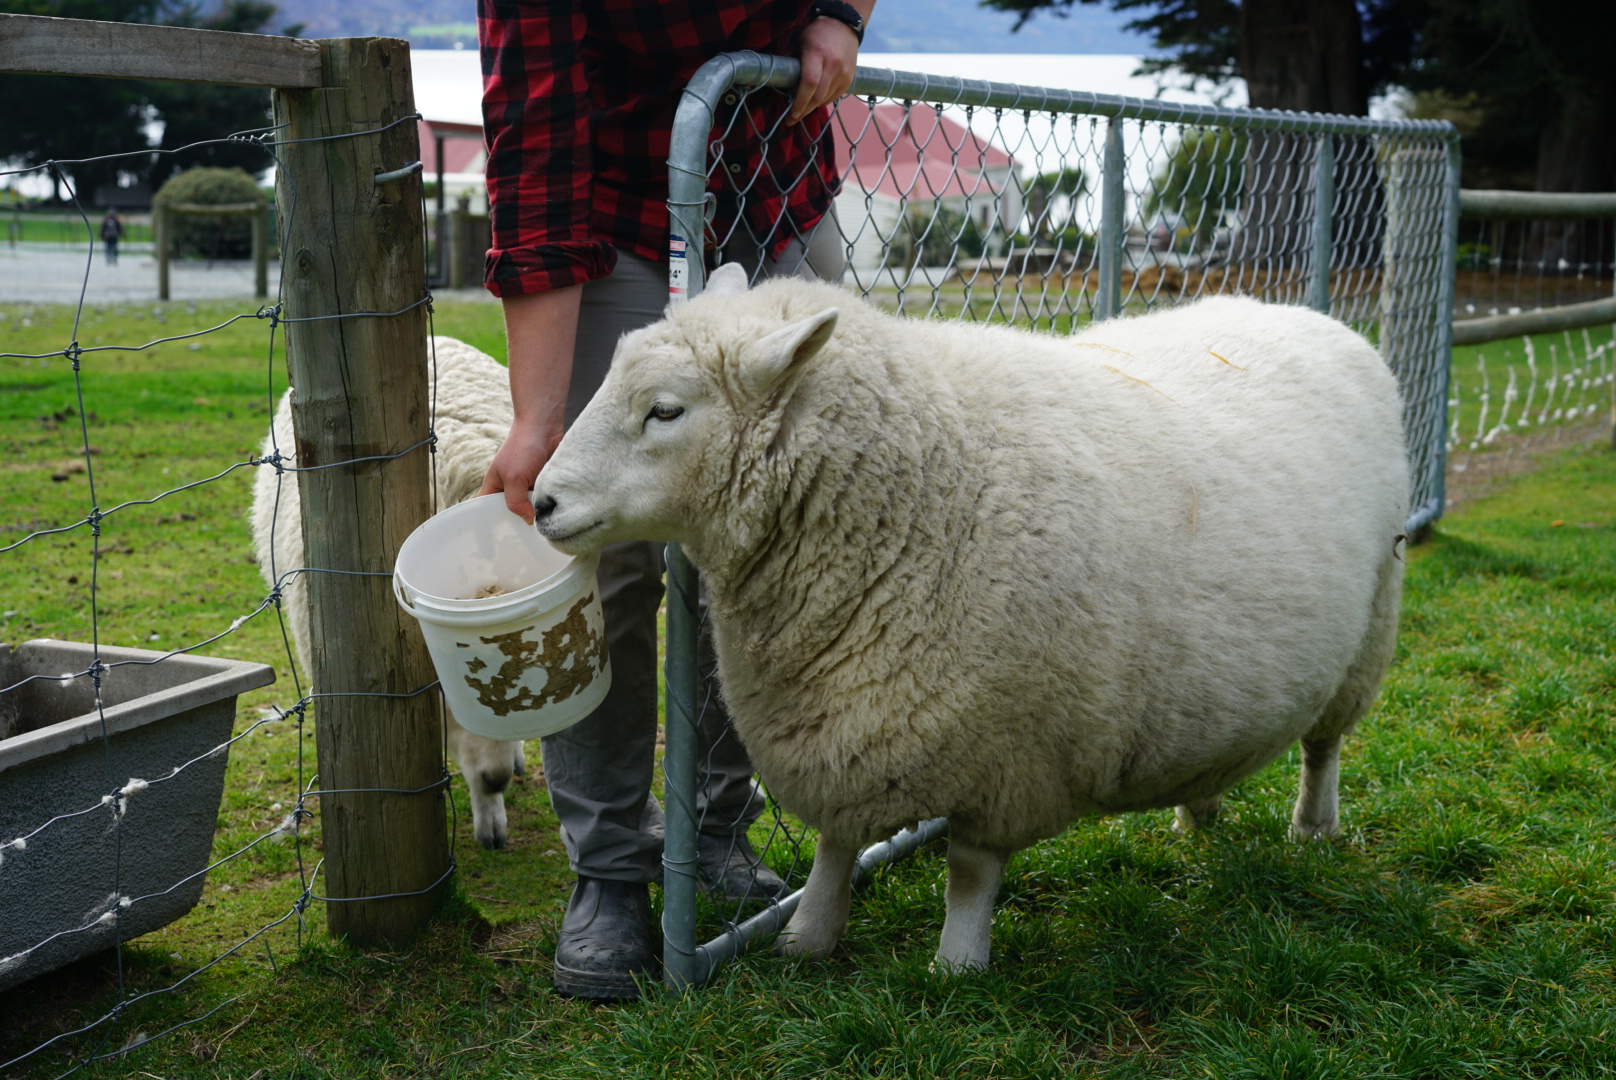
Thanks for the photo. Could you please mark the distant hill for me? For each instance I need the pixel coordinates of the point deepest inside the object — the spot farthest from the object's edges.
(923, 26)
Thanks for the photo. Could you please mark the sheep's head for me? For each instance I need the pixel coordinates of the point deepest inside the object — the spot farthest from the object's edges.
(674, 444)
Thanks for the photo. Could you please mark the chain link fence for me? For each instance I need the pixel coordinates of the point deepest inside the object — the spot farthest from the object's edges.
(1050, 210)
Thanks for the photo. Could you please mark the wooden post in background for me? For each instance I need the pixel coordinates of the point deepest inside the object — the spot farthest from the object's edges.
(162, 240)
(352, 245)
(260, 255)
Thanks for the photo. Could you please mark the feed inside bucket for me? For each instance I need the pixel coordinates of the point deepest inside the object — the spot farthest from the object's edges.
(514, 626)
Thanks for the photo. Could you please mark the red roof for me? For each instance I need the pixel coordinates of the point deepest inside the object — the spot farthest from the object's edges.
(462, 145)
(931, 156)
(913, 153)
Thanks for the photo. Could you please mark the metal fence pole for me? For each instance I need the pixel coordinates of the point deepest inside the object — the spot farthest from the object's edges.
(1113, 236)
(1323, 207)
(679, 774)
(1422, 516)
(687, 187)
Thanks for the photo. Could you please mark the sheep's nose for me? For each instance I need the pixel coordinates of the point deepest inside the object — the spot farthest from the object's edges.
(543, 507)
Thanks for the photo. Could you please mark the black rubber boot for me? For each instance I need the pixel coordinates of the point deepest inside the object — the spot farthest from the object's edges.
(605, 940)
(730, 869)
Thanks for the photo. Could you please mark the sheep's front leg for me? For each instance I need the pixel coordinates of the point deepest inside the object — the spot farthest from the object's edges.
(821, 917)
(488, 767)
(1317, 813)
(973, 882)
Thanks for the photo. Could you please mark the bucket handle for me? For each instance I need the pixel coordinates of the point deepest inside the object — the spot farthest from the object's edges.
(399, 591)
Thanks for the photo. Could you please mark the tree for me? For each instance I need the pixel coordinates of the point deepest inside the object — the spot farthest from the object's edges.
(222, 237)
(1052, 201)
(50, 117)
(1200, 183)
(1293, 54)
(194, 112)
(53, 117)
(1528, 81)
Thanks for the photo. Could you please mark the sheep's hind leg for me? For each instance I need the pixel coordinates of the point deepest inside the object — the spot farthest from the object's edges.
(821, 917)
(1191, 816)
(1317, 813)
(973, 882)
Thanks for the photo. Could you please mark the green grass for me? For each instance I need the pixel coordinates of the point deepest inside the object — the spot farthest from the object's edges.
(1463, 926)
(60, 227)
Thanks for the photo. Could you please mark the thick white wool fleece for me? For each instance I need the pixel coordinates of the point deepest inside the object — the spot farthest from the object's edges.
(1012, 579)
(473, 414)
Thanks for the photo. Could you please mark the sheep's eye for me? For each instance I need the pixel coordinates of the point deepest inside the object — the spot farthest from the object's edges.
(659, 411)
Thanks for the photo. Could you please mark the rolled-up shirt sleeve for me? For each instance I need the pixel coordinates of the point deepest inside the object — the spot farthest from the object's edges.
(536, 118)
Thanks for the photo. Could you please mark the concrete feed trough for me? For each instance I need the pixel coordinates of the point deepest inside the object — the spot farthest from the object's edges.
(53, 762)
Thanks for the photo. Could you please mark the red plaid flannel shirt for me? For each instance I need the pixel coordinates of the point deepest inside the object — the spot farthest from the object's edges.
(578, 106)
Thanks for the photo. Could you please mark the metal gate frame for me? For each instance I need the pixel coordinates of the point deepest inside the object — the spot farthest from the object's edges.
(685, 962)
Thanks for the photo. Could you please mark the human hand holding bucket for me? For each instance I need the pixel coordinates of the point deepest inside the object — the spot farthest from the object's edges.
(514, 627)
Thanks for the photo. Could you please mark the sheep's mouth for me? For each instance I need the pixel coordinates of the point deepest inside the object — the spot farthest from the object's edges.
(564, 538)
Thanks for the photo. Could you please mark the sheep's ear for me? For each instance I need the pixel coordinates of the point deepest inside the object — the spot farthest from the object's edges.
(767, 362)
(727, 280)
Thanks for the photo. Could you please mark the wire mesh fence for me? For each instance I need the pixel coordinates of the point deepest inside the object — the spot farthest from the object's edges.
(1535, 301)
(101, 842)
(1049, 210)
(1506, 267)
(1549, 387)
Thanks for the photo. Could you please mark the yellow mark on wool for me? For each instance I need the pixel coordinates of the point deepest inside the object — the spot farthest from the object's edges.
(1141, 382)
(1195, 507)
(1097, 345)
(1237, 367)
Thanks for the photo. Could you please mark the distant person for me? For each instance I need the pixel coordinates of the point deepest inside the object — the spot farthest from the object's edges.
(111, 233)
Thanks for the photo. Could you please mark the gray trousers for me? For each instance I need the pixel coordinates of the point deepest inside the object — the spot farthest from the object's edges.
(599, 771)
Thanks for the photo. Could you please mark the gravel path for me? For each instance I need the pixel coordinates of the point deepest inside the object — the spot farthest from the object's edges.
(50, 273)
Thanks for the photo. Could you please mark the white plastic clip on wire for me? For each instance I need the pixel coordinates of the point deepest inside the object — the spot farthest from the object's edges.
(18, 844)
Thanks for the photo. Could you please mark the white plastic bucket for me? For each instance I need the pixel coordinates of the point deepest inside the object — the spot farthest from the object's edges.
(528, 662)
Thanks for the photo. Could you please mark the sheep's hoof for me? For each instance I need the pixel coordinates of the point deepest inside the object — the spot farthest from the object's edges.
(1196, 815)
(1304, 833)
(947, 966)
(492, 843)
(804, 943)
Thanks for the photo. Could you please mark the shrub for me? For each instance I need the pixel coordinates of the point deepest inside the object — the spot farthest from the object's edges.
(205, 236)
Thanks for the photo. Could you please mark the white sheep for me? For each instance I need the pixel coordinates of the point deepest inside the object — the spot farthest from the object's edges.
(1006, 578)
(473, 413)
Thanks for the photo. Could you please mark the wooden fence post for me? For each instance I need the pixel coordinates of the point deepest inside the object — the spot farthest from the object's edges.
(361, 389)
(459, 239)
(260, 256)
(161, 240)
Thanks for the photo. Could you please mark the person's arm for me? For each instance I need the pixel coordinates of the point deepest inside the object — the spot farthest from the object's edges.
(540, 329)
(536, 117)
(829, 56)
